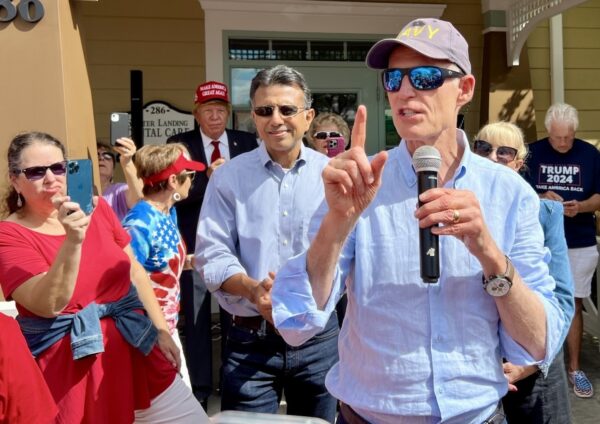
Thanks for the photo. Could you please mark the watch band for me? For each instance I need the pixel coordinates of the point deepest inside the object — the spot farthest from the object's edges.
(499, 285)
(509, 274)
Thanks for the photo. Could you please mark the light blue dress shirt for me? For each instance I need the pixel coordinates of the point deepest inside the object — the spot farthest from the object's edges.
(413, 349)
(551, 218)
(255, 216)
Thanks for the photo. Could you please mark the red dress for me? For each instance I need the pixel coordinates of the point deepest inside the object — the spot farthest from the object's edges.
(109, 386)
(24, 395)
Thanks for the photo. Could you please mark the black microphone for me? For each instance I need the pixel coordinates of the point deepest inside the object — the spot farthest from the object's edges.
(427, 162)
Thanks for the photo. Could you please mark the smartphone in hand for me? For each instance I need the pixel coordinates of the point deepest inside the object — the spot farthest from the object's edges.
(119, 126)
(80, 183)
(335, 146)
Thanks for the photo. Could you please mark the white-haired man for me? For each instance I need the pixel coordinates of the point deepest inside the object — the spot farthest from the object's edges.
(567, 169)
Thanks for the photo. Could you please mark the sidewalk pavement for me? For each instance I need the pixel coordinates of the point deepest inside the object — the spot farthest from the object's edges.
(587, 411)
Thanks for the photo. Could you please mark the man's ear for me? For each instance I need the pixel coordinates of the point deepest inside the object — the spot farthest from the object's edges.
(310, 115)
(466, 88)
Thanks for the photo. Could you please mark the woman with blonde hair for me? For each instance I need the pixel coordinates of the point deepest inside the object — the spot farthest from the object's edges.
(167, 174)
(535, 398)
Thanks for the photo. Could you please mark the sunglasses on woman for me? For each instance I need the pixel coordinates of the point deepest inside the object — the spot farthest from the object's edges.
(421, 77)
(38, 172)
(286, 111)
(504, 154)
(324, 135)
(106, 156)
(190, 174)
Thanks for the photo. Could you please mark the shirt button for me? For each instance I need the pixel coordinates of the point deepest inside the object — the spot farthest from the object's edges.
(285, 242)
(285, 186)
(285, 213)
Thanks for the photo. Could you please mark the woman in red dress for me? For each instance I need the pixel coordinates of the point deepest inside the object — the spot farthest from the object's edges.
(74, 279)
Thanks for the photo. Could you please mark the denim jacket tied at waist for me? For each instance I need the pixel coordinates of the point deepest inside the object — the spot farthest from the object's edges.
(84, 326)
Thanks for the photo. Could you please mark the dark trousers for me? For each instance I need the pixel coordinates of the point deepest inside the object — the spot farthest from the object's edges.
(540, 400)
(196, 306)
(260, 367)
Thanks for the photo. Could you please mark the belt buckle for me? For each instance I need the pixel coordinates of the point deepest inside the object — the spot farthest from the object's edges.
(262, 331)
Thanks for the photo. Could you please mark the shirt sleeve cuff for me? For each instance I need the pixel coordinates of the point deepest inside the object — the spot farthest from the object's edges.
(295, 311)
(518, 355)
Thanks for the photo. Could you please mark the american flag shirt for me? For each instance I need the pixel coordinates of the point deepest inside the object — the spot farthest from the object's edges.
(158, 246)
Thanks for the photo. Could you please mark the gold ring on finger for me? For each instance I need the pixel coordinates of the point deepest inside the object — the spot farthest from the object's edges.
(455, 216)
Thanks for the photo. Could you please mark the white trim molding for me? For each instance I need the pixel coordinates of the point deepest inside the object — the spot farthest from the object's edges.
(523, 17)
(302, 16)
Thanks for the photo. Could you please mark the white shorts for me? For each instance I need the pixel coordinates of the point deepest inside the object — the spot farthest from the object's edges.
(176, 405)
(584, 261)
(183, 372)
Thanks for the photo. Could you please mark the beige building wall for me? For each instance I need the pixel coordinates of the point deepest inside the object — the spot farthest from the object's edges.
(166, 41)
(466, 16)
(44, 82)
(163, 39)
(581, 44)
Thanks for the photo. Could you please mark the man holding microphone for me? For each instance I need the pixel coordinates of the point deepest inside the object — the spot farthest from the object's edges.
(414, 351)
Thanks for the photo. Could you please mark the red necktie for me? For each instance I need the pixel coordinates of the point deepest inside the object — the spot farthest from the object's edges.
(216, 154)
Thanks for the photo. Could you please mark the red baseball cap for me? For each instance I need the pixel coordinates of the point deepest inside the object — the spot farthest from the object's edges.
(211, 90)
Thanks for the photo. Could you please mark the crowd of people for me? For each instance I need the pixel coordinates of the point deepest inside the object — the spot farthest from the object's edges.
(312, 254)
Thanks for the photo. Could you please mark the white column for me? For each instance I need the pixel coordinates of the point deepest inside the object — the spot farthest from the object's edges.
(557, 70)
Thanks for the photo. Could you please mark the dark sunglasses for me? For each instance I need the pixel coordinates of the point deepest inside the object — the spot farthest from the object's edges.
(324, 135)
(420, 77)
(106, 156)
(284, 110)
(39, 172)
(504, 154)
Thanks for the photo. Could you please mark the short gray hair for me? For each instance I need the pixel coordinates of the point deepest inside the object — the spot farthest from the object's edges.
(563, 113)
(281, 75)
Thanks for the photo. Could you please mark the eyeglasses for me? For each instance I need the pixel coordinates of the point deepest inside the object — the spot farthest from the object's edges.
(38, 172)
(324, 135)
(106, 156)
(420, 77)
(286, 111)
(504, 154)
(190, 174)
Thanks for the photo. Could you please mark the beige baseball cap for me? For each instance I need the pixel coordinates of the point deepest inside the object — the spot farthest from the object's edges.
(433, 38)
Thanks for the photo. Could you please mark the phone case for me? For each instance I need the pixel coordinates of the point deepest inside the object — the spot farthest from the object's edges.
(119, 126)
(80, 183)
(335, 146)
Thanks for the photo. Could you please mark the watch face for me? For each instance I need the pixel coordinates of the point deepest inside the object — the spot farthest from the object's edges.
(498, 287)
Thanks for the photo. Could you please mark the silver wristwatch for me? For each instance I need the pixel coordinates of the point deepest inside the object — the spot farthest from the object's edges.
(499, 285)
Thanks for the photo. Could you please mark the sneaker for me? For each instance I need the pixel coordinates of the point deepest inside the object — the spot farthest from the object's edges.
(581, 385)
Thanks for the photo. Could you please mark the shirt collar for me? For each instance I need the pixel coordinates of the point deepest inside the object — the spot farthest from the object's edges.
(266, 160)
(408, 172)
(206, 140)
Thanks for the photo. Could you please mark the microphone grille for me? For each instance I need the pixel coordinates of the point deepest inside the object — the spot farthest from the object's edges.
(427, 158)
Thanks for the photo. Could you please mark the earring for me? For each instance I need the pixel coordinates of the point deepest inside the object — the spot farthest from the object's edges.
(19, 201)
(176, 197)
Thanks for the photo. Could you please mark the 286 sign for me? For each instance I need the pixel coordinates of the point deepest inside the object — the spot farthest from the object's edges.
(29, 10)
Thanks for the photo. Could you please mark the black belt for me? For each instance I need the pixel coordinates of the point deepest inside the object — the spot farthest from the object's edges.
(255, 324)
(352, 417)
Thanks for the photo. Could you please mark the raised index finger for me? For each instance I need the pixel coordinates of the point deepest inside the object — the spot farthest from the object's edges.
(359, 130)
